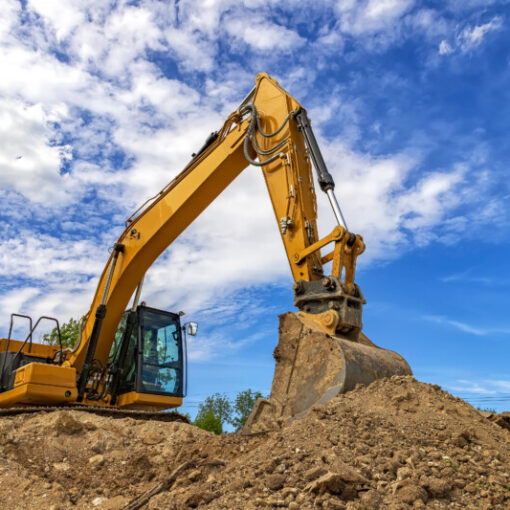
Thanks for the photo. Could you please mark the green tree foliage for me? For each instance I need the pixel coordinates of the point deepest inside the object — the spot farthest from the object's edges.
(243, 404)
(487, 410)
(216, 406)
(217, 410)
(207, 420)
(68, 332)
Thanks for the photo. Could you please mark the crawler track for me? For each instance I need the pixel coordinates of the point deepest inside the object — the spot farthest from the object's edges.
(102, 411)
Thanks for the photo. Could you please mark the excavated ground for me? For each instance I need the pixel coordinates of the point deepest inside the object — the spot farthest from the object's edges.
(396, 444)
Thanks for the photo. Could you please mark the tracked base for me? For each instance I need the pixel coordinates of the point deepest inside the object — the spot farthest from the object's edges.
(172, 416)
(312, 367)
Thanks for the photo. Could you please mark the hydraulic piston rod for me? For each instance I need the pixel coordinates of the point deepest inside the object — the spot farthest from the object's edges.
(336, 209)
(325, 179)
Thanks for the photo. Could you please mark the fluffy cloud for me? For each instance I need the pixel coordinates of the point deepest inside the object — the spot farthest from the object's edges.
(31, 157)
(370, 16)
(470, 37)
(263, 35)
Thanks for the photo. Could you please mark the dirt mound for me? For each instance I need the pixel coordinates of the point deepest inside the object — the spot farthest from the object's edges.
(396, 444)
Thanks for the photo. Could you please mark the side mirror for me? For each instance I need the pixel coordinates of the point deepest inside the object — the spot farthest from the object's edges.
(192, 328)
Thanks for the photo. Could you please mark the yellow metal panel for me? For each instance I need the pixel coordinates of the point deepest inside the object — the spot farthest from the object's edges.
(41, 373)
(39, 350)
(289, 180)
(37, 394)
(39, 383)
(146, 400)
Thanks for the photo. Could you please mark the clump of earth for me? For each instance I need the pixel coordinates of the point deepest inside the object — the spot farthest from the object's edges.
(396, 444)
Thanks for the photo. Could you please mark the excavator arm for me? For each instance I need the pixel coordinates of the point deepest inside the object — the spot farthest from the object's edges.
(270, 130)
(270, 121)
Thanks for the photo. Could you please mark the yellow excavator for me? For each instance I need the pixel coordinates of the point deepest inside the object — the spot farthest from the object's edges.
(133, 357)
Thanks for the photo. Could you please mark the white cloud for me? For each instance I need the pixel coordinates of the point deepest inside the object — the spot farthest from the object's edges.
(471, 387)
(470, 276)
(17, 299)
(371, 16)
(470, 37)
(467, 328)
(502, 385)
(263, 35)
(221, 345)
(445, 48)
(64, 17)
(50, 257)
(488, 392)
(429, 21)
(379, 201)
(29, 161)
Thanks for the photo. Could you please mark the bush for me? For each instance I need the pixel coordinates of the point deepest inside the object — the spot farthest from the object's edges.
(207, 420)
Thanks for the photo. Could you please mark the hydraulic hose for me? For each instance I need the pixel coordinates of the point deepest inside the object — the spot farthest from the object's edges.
(250, 136)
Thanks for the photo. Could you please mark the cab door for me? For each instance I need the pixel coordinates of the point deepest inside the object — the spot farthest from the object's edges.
(161, 368)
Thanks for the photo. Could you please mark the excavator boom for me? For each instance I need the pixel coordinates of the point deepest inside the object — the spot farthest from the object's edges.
(117, 361)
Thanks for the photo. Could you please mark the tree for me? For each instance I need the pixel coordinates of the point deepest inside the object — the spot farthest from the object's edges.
(215, 411)
(68, 332)
(489, 410)
(243, 405)
(207, 420)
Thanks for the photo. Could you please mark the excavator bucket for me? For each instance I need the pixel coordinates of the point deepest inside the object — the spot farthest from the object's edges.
(313, 367)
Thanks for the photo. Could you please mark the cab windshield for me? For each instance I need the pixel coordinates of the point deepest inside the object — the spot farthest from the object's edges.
(161, 367)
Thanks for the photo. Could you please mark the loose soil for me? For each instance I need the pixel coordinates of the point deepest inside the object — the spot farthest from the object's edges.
(395, 444)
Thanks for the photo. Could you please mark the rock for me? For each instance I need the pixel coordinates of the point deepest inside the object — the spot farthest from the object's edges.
(471, 488)
(334, 483)
(115, 503)
(462, 438)
(239, 484)
(289, 491)
(61, 466)
(66, 424)
(195, 475)
(98, 501)
(199, 497)
(371, 499)
(349, 493)
(281, 468)
(153, 437)
(404, 473)
(275, 482)
(97, 460)
(314, 473)
(98, 446)
(437, 487)
(411, 493)
(348, 474)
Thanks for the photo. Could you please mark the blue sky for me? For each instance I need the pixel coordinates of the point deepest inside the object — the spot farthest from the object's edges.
(102, 103)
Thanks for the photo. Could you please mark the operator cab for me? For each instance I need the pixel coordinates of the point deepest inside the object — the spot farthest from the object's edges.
(146, 368)
(154, 353)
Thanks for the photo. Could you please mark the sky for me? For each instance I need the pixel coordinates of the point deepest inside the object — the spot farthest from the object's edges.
(103, 102)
